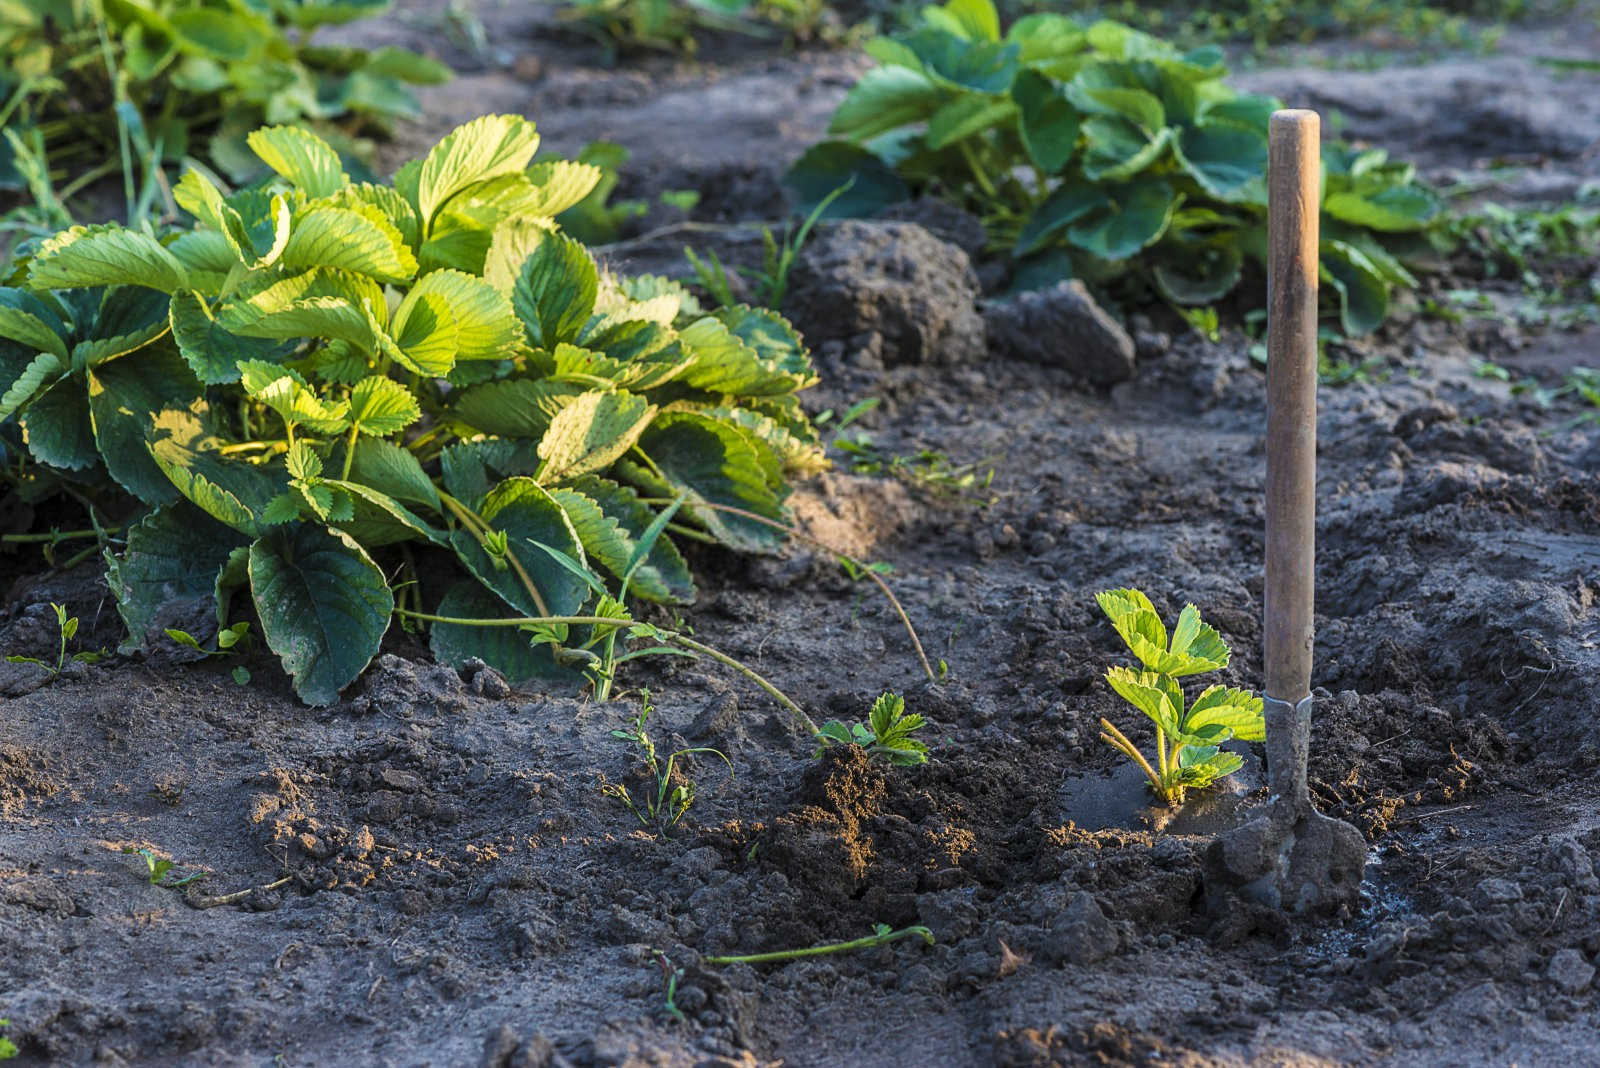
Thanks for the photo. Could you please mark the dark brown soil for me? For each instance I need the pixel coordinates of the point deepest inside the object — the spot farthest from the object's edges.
(428, 873)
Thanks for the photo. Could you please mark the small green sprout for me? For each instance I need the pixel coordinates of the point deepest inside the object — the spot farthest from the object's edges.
(667, 803)
(673, 976)
(777, 260)
(67, 628)
(1189, 752)
(229, 640)
(886, 735)
(157, 869)
(8, 1048)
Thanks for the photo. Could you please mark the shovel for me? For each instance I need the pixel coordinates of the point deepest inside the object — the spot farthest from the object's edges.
(1292, 858)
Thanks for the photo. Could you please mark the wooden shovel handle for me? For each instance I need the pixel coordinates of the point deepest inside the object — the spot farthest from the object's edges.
(1294, 203)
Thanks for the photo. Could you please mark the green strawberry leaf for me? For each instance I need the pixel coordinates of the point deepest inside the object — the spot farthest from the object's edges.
(324, 606)
(508, 650)
(175, 553)
(382, 406)
(524, 511)
(709, 462)
(610, 522)
(484, 148)
(555, 291)
(124, 396)
(300, 156)
(590, 432)
(105, 256)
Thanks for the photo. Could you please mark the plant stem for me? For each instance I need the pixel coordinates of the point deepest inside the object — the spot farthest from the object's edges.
(832, 947)
(478, 527)
(1119, 741)
(606, 621)
(350, 452)
(977, 170)
(54, 536)
(825, 547)
(749, 673)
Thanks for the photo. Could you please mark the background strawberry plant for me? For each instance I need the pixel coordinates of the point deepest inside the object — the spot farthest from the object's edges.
(1102, 153)
(87, 83)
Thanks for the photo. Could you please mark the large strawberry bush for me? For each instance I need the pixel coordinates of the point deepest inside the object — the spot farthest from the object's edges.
(322, 380)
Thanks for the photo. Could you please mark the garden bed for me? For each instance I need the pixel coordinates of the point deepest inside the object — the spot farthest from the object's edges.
(459, 889)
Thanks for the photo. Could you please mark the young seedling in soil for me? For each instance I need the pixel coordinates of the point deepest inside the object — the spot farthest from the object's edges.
(228, 641)
(157, 869)
(671, 792)
(67, 628)
(881, 935)
(673, 976)
(885, 736)
(8, 1048)
(1189, 754)
(777, 260)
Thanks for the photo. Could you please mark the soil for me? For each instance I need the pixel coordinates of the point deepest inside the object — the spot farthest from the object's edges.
(429, 873)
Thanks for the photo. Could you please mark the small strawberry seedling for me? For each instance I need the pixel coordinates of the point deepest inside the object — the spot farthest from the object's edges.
(1189, 752)
(672, 793)
(886, 735)
(67, 629)
(229, 640)
(157, 870)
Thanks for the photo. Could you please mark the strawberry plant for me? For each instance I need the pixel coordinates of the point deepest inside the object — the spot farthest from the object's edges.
(323, 379)
(887, 734)
(66, 630)
(670, 792)
(1189, 754)
(1105, 154)
(189, 78)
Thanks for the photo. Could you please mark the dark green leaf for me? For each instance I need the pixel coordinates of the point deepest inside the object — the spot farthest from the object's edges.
(1199, 273)
(527, 514)
(1229, 162)
(985, 66)
(124, 396)
(517, 408)
(212, 353)
(609, 521)
(1065, 206)
(824, 168)
(713, 463)
(57, 428)
(392, 470)
(1363, 294)
(324, 606)
(1048, 123)
(508, 650)
(1136, 216)
(1115, 149)
(175, 553)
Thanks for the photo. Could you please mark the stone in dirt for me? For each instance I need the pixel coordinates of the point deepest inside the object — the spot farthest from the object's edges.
(1063, 327)
(1570, 972)
(893, 279)
(1082, 934)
